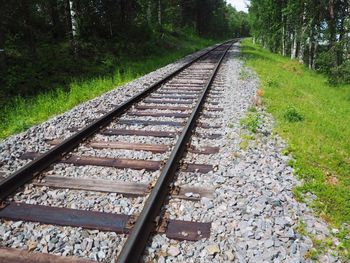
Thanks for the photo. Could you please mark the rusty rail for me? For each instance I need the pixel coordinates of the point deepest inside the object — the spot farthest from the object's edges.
(32, 169)
(145, 224)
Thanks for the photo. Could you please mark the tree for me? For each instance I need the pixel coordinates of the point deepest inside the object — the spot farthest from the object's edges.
(43, 43)
(312, 31)
(72, 26)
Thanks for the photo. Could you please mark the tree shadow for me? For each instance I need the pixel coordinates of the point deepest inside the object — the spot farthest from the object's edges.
(253, 53)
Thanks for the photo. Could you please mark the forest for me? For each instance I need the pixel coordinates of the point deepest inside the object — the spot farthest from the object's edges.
(46, 43)
(315, 32)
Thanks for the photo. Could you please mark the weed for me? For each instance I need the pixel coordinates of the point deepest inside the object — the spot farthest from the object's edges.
(272, 83)
(244, 144)
(293, 115)
(230, 125)
(312, 254)
(285, 151)
(251, 122)
(252, 109)
(246, 138)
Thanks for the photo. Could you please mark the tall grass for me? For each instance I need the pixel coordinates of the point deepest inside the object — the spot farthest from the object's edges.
(21, 113)
(314, 118)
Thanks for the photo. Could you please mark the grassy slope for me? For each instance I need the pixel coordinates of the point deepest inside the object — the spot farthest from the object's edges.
(321, 142)
(22, 113)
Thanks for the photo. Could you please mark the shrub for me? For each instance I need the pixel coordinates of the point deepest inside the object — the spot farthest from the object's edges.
(340, 74)
(292, 115)
(252, 109)
(325, 62)
(251, 122)
(272, 83)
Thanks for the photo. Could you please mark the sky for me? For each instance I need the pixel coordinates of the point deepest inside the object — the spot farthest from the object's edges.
(240, 5)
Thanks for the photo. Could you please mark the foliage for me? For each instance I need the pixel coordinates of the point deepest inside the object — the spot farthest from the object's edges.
(325, 62)
(251, 122)
(341, 74)
(293, 115)
(53, 42)
(320, 144)
(315, 32)
(21, 113)
(62, 52)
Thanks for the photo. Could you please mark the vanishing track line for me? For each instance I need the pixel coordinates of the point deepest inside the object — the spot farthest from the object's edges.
(171, 109)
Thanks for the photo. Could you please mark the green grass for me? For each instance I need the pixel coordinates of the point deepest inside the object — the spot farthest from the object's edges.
(251, 121)
(314, 118)
(21, 113)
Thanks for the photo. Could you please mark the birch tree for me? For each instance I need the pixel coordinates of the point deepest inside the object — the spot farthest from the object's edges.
(72, 26)
(312, 31)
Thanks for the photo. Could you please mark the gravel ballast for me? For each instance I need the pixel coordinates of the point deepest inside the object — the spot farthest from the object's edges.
(34, 139)
(92, 244)
(254, 216)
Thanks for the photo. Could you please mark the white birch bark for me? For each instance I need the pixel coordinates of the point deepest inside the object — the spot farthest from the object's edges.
(284, 47)
(302, 36)
(159, 13)
(74, 20)
(293, 53)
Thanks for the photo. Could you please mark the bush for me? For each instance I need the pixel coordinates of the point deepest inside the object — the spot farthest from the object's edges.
(251, 122)
(340, 74)
(292, 115)
(325, 62)
(272, 83)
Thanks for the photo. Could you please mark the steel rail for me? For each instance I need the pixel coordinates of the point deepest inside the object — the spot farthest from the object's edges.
(32, 169)
(136, 242)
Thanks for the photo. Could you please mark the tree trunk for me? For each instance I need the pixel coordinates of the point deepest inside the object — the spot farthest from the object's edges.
(160, 13)
(28, 28)
(332, 30)
(56, 32)
(311, 46)
(302, 36)
(347, 30)
(126, 10)
(110, 29)
(284, 44)
(149, 12)
(340, 48)
(284, 27)
(331, 23)
(317, 37)
(301, 52)
(72, 26)
(3, 68)
(294, 47)
(123, 13)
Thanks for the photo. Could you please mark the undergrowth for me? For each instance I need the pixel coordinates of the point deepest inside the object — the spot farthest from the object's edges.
(251, 121)
(20, 113)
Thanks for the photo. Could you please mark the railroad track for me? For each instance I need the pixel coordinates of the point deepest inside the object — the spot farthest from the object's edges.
(171, 111)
